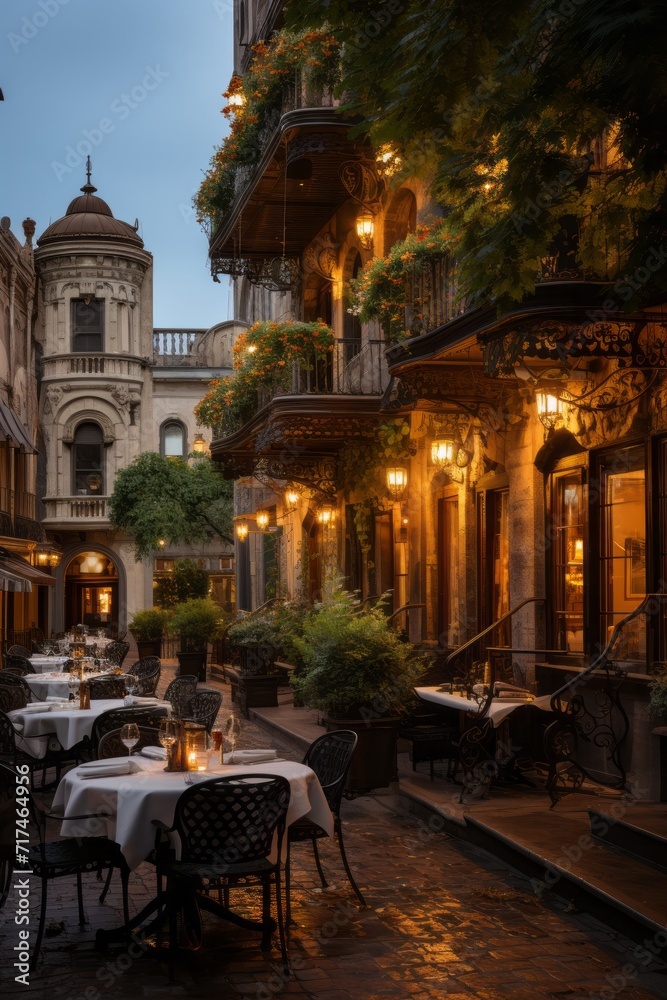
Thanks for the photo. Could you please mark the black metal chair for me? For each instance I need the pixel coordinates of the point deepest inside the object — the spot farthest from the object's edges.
(227, 828)
(12, 755)
(203, 707)
(12, 697)
(330, 757)
(9, 679)
(18, 665)
(106, 687)
(116, 652)
(19, 651)
(147, 671)
(116, 718)
(57, 859)
(180, 691)
(110, 744)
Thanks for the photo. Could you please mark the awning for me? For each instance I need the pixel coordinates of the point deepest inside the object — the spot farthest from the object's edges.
(17, 567)
(14, 584)
(14, 429)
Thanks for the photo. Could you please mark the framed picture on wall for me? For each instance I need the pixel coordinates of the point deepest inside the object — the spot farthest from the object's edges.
(635, 568)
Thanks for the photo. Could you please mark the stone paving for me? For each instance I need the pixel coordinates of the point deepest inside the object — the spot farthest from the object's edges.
(443, 920)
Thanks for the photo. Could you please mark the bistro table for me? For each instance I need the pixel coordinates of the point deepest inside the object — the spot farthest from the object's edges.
(49, 685)
(70, 724)
(46, 664)
(499, 709)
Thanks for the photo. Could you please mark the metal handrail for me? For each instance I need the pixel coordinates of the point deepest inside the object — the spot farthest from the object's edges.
(406, 607)
(508, 614)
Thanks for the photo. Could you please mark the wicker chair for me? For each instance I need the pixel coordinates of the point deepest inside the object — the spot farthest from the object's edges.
(179, 692)
(330, 757)
(147, 671)
(19, 651)
(58, 858)
(106, 687)
(203, 707)
(18, 665)
(116, 652)
(110, 744)
(11, 680)
(226, 828)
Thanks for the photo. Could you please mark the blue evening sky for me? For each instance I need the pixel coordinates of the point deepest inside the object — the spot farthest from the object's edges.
(152, 71)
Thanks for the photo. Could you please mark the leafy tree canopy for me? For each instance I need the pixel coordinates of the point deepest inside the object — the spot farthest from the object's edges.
(157, 498)
(500, 106)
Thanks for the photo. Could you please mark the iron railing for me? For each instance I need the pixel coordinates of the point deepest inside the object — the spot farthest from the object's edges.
(352, 368)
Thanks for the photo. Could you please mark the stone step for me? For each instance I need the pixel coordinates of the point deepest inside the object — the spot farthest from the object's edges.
(643, 838)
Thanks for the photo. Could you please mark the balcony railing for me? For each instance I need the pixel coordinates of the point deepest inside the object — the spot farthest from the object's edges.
(76, 509)
(432, 297)
(93, 364)
(18, 515)
(174, 348)
(353, 368)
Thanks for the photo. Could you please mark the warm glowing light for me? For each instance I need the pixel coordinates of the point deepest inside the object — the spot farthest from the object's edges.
(326, 514)
(251, 348)
(161, 542)
(54, 559)
(242, 529)
(236, 100)
(199, 445)
(397, 481)
(262, 518)
(578, 550)
(549, 409)
(291, 499)
(365, 229)
(443, 452)
(42, 558)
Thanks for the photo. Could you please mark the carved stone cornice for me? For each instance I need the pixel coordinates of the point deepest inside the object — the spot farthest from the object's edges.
(321, 256)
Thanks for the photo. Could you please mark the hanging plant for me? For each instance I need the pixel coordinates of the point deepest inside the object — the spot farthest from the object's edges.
(362, 473)
(385, 285)
(254, 102)
(263, 357)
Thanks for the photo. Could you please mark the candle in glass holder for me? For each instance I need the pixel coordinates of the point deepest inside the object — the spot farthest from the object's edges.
(192, 761)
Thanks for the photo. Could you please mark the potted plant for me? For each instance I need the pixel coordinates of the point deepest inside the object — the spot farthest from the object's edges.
(360, 675)
(148, 627)
(254, 641)
(197, 622)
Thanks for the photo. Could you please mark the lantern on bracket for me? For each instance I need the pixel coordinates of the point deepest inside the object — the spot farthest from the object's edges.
(262, 518)
(444, 452)
(397, 481)
(291, 500)
(550, 408)
(365, 229)
(241, 528)
(326, 514)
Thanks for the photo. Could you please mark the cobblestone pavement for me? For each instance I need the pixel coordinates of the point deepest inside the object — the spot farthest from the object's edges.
(444, 920)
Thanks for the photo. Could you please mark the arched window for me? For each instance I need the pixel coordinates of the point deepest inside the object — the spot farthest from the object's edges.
(173, 440)
(88, 460)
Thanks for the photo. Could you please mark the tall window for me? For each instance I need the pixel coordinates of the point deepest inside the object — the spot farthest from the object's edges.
(88, 460)
(87, 325)
(568, 559)
(173, 440)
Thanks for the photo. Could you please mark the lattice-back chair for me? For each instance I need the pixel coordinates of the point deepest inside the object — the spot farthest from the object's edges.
(203, 707)
(110, 744)
(116, 718)
(12, 697)
(330, 757)
(116, 652)
(19, 651)
(106, 688)
(227, 828)
(147, 671)
(15, 681)
(19, 665)
(57, 859)
(180, 691)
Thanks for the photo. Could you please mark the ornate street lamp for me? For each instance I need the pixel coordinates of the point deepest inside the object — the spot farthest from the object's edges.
(397, 481)
(241, 528)
(444, 452)
(262, 518)
(199, 445)
(365, 230)
(291, 499)
(549, 409)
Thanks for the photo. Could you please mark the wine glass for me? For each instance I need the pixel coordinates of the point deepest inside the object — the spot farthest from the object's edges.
(129, 736)
(72, 684)
(131, 683)
(232, 732)
(167, 734)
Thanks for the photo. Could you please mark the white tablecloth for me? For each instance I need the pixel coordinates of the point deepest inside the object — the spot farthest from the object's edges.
(498, 710)
(49, 685)
(70, 725)
(133, 801)
(46, 664)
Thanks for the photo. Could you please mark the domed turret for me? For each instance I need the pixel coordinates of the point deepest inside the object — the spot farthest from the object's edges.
(89, 216)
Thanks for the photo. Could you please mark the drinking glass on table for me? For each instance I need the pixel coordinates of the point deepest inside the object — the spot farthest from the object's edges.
(131, 683)
(168, 733)
(232, 732)
(73, 685)
(129, 736)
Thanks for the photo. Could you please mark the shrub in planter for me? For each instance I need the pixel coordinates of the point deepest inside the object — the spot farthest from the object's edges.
(658, 703)
(148, 627)
(197, 622)
(255, 641)
(290, 621)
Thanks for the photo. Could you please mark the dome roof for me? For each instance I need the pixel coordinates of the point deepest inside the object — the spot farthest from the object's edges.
(89, 216)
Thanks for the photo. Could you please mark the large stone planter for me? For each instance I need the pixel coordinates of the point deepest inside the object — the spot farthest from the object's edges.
(151, 647)
(256, 659)
(256, 691)
(192, 663)
(374, 763)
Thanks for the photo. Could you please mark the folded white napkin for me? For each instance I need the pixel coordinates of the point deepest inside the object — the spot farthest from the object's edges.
(132, 699)
(107, 769)
(249, 756)
(54, 699)
(39, 706)
(154, 753)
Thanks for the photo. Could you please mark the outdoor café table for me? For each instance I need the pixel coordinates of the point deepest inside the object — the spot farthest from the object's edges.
(50, 685)
(46, 664)
(70, 725)
(499, 708)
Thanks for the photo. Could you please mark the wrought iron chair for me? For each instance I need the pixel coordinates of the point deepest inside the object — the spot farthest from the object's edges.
(116, 652)
(147, 671)
(180, 691)
(227, 828)
(116, 718)
(110, 744)
(19, 651)
(19, 665)
(330, 757)
(12, 697)
(56, 859)
(12, 680)
(106, 687)
(203, 707)
(12, 755)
